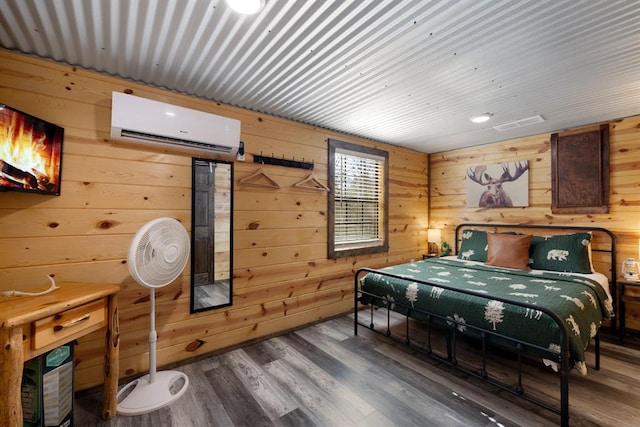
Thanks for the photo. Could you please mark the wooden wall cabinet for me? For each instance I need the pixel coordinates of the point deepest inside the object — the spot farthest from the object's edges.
(580, 171)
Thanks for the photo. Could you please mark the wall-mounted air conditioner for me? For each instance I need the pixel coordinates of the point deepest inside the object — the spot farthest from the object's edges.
(148, 122)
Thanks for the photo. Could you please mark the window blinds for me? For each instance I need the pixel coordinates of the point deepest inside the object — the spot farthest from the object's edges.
(358, 198)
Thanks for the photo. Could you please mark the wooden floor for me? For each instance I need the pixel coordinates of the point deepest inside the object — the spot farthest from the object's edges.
(211, 294)
(323, 375)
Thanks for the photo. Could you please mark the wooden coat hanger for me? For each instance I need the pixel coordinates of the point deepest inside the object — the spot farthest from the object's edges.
(311, 183)
(260, 174)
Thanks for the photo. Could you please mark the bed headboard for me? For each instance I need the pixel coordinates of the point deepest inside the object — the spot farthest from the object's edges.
(603, 243)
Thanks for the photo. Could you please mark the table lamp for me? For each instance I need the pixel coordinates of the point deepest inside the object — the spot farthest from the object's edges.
(631, 268)
(434, 235)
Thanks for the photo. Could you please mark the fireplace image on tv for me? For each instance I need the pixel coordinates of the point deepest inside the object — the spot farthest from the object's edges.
(30, 153)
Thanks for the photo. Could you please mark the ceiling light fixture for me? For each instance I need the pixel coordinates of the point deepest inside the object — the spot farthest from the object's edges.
(481, 118)
(246, 7)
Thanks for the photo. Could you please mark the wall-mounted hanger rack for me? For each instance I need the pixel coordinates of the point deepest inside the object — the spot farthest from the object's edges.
(311, 183)
(282, 162)
(260, 179)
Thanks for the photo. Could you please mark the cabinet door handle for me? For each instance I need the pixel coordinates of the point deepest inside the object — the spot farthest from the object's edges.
(70, 323)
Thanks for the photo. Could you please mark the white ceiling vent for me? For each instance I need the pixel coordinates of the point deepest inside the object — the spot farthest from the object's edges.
(519, 123)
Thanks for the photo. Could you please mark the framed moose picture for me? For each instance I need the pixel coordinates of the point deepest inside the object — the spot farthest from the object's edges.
(498, 186)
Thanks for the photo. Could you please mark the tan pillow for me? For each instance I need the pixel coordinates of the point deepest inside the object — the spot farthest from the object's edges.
(507, 250)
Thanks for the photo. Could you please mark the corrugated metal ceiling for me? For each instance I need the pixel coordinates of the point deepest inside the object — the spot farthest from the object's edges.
(408, 72)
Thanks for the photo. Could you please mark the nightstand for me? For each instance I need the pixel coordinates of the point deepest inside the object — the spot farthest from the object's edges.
(425, 256)
(628, 292)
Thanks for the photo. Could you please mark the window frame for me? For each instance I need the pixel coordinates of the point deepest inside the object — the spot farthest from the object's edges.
(335, 251)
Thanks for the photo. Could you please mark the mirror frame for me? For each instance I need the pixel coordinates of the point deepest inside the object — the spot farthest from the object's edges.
(196, 161)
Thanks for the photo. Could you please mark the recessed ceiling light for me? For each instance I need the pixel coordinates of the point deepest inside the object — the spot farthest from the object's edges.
(246, 7)
(481, 118)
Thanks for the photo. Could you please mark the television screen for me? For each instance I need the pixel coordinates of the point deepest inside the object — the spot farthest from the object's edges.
(30, 153)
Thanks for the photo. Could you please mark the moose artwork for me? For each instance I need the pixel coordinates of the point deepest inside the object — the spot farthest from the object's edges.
(498, 186)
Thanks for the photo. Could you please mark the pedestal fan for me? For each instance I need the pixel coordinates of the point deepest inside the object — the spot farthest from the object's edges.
(157, 255)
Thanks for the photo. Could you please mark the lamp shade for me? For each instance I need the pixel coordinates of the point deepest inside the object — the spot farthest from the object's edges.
(434, 235)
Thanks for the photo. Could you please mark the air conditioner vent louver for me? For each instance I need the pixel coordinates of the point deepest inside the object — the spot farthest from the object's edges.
(175, 141)
(149, 122)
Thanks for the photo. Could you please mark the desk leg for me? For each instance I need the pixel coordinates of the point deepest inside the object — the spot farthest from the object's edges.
(111, 360)
(11, 376)
(621, 312)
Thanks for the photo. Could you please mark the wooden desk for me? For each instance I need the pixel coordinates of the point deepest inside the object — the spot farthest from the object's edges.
(30, 326)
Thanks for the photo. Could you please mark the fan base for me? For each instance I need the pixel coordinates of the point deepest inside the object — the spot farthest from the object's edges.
(142, 397)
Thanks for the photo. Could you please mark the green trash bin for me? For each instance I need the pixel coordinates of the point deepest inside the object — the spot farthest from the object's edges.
(47, 389)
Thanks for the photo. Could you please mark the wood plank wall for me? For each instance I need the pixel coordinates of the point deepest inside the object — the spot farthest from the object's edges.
(448, 190)
(282, 278)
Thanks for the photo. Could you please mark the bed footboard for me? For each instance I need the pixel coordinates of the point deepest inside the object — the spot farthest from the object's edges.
(486, 335)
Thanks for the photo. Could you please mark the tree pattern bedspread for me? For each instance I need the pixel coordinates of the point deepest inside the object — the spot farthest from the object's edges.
(582, 303)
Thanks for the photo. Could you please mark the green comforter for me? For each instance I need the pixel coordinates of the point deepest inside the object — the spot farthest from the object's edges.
(579, 301)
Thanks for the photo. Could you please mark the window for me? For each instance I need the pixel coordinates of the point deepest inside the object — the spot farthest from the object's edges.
(358, 209)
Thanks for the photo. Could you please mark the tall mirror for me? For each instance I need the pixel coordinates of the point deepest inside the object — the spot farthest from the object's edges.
(211, 234)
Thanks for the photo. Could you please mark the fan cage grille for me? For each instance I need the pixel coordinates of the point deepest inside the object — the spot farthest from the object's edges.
(159, 252)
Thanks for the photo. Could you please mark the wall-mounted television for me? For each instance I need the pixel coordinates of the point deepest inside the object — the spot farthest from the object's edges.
(30, 153)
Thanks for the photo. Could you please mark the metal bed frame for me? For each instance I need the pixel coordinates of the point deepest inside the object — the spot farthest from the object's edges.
(485, 334)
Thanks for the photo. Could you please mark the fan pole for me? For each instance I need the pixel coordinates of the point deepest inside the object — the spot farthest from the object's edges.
(153, 337)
